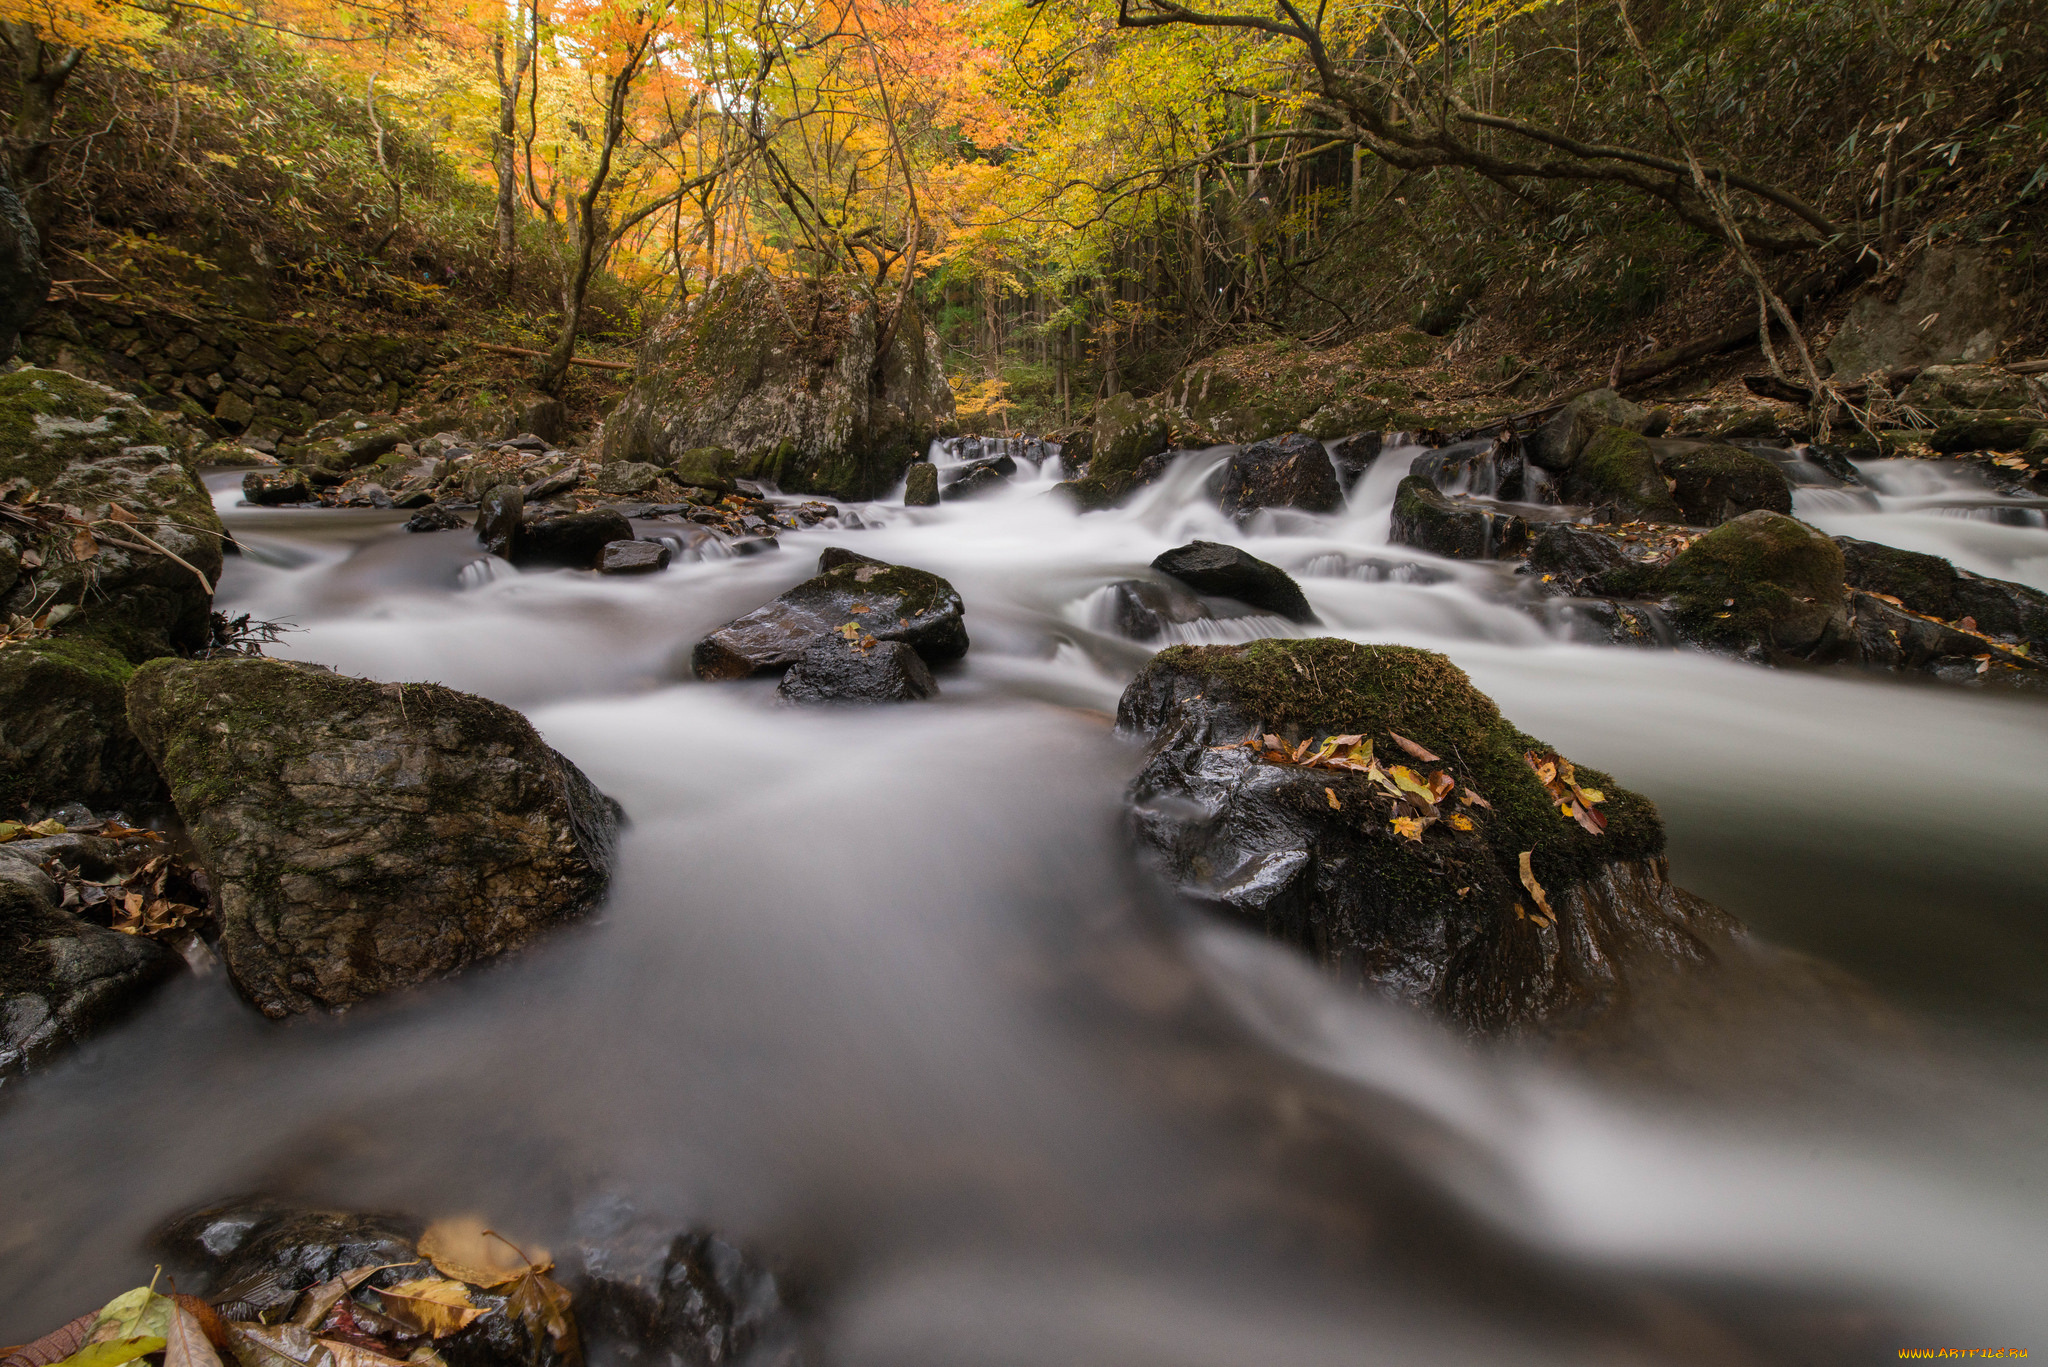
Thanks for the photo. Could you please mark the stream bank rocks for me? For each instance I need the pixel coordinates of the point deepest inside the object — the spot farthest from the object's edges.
(1456, 528)
(1293, 471)
(62, 978)
(1452, 920)
(839, 405)
(852, 600)
(363, 837)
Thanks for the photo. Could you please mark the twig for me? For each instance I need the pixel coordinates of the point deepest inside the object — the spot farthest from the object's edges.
(590, 361)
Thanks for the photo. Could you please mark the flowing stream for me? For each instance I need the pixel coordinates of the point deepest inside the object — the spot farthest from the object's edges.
(884, 990)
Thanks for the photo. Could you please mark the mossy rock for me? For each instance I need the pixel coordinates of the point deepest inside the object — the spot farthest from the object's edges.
(705, 467)
(1762, 585)
(1616, 474)
(863, 596)
(361, 836)
(1430, 520)
(82, 444)
(1309, 855)
(64, 733)
(1127, 431)
(1712, 483)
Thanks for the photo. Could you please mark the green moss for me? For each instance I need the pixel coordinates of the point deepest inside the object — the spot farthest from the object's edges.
(916, 591)
(1617, 470)
(1712, 483)
(1324, 686)
(1763, 579)
(64, 735)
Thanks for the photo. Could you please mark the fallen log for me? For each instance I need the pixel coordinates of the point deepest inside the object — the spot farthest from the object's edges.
(1771, 387)
(590, 361)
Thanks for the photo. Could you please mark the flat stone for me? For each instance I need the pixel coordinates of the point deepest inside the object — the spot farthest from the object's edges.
(633, 557)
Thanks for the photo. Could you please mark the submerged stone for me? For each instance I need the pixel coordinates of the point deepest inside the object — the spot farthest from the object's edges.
(836, 670)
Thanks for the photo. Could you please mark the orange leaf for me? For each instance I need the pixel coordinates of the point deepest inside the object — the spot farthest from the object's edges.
(1412, 748)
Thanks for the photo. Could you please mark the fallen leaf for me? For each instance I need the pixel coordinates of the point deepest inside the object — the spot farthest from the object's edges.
(1412, 748)
(209, 1319)
(83, 546)
(113, 1352)
(462, 1248)
(851, 631)
(1472, 799)
(283, 1345)
(1463, 823)
(1413, 784)
(541, 1304)
(434, 1306)
(1335, 805)
(353, 1355)
(116, 513)
(55, 1346)
(1529, 881)
(1408, 826)
(188, 1345)
(1592, 795)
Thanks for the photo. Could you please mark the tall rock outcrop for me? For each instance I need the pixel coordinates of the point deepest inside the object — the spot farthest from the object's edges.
(787, 381)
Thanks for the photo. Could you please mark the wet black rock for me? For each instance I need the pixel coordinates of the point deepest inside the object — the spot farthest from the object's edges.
(1931, 585)
(498, 518)
(886, 602)
(1557, 444)
(1890, 638)
(434, 518)
(633, 557)
(1568, 558)
(569, 540)
(1142, 609)
(62, 979)
(64, 734)
(836, 670)
(1354, 456)
(921, 485)
(1293, 471)
(363, 837)
(1714, 483)
(268, 488)
(1220, 571)
(981, 477)
(1310, 856)
(1989, 431)
(1457, 528)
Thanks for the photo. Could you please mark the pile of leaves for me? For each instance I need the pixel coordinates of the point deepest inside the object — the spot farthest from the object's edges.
(1555, 773)
(1415, 803)
(343, 1322)
(164, 898)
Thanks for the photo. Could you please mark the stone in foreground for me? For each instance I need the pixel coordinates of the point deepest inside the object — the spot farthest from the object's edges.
(633, 557)
(62, 979)
(1311, 857)
(1209, 567)
(64, 733)
(361, 836)
(850, 598)
(836, 670)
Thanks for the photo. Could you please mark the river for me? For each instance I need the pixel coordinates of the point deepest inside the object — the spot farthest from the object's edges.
(885, 991)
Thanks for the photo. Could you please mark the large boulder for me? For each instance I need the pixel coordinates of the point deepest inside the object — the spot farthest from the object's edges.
(854, 598)
(361, 836)
(792, 376)
(1616, 475)
(1504, 914)
(1128, 431)
(568, 540)
(62, 979)
(921, 486)
(1949, 306)
(1711, 482)
(1558, 442)
(1764, 586)
(84, 445)
(1293, 471)
(1942, 387)
(64, 733)
(1430, 520)
(1931, 586)
(1209, 567)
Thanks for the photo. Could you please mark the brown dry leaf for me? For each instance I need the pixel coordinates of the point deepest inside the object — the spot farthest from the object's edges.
(434, 1306)
(1535, 888)
(353, 1355)
(54, 1346)
(285, 1345)
(461, 1247)
(1335, 805)
(1413, 749)
(1440, 785)
(188, 1344)
(83, 547)
(116, 513)
(1472, 799)
(542, 1305)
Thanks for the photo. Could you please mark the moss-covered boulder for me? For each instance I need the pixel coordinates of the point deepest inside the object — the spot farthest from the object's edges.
(921, 485)
(1712, 482)
(852, 597)
(1990, 430)
(1430, 520)
(362, 837)
(1437, 912)
(1941, 387)
(793, 376)
(1616, 475)
(1764, 585)
(62, 979)
(64, 733)
(1558, 442)
(81, 444)
(1128, 431)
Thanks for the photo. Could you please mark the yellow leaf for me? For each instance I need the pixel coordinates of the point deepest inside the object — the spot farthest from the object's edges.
(1335, 805)
(1414, 783)
(434, 1306)
(462, 1248)
(1463, 823)
(1408, 826)
(349, 1355)
(1592, 795)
